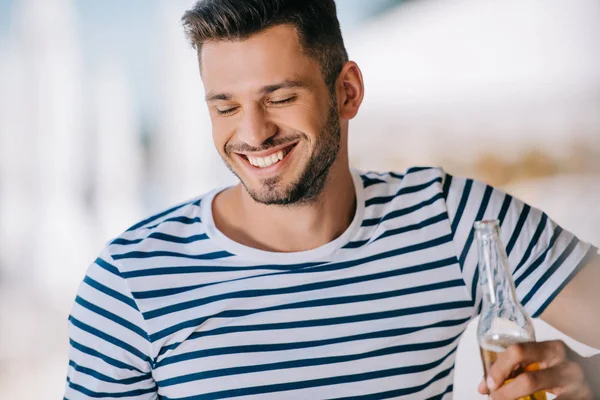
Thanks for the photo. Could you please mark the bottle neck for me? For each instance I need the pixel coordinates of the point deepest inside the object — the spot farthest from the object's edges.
(494, 274)
(502, 316)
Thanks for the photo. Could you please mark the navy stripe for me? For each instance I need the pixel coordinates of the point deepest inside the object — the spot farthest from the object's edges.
(316, 285)
(333, 321)
(123, 241)
(398, 231)
(181, 220)
(191, 269)
(104, 378)
(401, 212)
(113, 317)
(540, 282)
(149, 294)
(370, 181)
(485, 201)
(413, 170)
(177, 239)
(310, 304)
(504, 209)
(280, 387)
(462, 204)
(517, 229)
(420, 225)
(401, 392)
(474, 285)
(534, 240)
(149, 254)
(262, 348)
(119, 343)
(446, 186)
(395, 175)
(162, 236)
(389, 173)
(441, 395)
(356, 244)
(109, 360)
(157, 216)
(480, 213)
(402, 191)
(584, 261)
(109, 267)
(540, 259)
(115, 395)
(309, 362)
(110, 292)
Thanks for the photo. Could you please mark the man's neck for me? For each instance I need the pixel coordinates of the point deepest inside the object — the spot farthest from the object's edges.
(288, 228)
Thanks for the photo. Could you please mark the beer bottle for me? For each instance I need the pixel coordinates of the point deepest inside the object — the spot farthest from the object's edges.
(503, 321)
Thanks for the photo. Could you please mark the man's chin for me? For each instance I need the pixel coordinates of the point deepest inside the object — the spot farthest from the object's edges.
(271, 194)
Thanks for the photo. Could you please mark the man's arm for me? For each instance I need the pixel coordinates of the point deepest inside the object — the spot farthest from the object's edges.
(576, 309)
(576, 312)
(110, 352)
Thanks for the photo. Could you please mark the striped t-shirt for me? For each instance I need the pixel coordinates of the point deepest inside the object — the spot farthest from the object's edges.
(173, 309)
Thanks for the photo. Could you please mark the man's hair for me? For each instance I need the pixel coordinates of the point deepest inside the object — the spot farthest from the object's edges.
(315, 20)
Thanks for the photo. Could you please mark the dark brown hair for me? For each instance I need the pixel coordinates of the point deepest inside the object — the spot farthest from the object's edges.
(315, 20)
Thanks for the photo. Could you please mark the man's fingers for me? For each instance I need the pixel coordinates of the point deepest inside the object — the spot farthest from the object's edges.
(545, 354)
(565, 379)
(525, 384)
(483, 387)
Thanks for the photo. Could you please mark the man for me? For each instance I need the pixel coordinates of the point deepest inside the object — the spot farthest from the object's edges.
(309, 280)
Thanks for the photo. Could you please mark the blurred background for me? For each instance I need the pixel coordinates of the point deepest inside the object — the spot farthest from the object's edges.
(102, 122)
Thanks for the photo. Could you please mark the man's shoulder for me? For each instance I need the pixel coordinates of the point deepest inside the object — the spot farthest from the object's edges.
(175, 226)
(413, 177)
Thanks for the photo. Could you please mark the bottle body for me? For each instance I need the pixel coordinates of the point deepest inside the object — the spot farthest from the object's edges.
(503, 320)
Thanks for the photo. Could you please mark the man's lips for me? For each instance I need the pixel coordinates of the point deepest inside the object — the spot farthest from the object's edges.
(269, 157)
(267, 152)
(268, 160)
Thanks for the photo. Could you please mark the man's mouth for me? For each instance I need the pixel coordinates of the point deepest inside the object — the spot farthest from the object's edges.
(269, 159)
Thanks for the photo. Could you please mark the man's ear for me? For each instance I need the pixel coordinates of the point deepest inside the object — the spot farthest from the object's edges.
(350, 90)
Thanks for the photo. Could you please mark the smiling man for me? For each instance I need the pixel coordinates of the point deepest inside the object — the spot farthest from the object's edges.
(309, 280)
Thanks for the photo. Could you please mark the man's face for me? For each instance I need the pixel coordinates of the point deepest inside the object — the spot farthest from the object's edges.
(275, 122)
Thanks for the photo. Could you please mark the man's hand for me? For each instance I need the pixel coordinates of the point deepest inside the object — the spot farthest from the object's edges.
(560, 372)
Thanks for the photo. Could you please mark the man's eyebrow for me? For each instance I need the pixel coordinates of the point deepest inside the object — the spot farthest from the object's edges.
(287, 84)
(217, 96)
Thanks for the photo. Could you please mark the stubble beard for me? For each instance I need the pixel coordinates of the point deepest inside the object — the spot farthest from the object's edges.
(310, 183)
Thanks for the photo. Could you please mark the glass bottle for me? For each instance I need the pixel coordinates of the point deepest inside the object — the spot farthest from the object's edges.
(503, 320)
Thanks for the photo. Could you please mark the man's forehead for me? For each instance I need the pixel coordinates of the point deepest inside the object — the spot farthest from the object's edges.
(284, 36)
(268, 57)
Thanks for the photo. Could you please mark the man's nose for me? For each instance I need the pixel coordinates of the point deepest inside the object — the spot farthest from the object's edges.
(255, 127)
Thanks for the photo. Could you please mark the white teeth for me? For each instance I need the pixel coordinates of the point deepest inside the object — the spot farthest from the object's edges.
(263, 162)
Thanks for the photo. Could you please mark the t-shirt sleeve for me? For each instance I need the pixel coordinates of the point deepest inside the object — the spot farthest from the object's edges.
(110, 352)
(543, 257)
